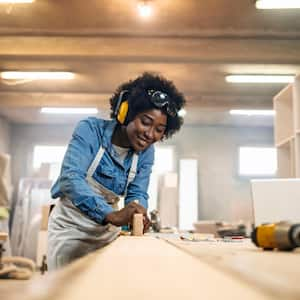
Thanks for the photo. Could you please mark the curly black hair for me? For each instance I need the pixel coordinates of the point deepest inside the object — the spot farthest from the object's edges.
(138, 99)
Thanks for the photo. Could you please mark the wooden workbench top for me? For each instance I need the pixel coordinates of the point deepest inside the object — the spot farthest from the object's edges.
(276, 273)
(142, 268)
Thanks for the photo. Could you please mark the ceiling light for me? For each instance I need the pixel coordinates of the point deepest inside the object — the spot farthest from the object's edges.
(252, 112)
(16, 1)
(18, 75)
(277, 4)
(241, 78)
(145, 9)
(69, 110)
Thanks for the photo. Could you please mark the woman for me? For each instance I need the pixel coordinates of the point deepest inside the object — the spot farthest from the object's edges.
(107, 159)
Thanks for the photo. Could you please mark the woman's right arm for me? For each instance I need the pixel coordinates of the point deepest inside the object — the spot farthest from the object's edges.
(72, 183)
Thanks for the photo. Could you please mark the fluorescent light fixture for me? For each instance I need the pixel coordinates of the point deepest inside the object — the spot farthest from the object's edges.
(28, 75)
(69, 110)
(277, 4)
(243, 78)
(182, 113)
(252, 112)
(145, 9)
(16, 1)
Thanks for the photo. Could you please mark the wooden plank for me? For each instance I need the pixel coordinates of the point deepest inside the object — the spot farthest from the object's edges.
(37, 100)
(3, 236)
(296, 107)
(153, 49)
(276, 273)
(144, 268)
(45, 217)
(42, 242)
(100, 100)
(283, 123)
(284, 160)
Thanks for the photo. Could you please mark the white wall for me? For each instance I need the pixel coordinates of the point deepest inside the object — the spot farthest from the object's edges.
(222, 194)
(4, 136)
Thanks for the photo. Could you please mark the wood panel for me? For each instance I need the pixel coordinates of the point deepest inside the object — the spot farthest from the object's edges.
(141, 268)
(276, 273)
(189, 50)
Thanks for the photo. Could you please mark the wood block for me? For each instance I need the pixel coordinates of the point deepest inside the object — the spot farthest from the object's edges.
(45, 217)
(3, 236)
(5, 180)
(42, 243)
(137, 225)
(168, 206)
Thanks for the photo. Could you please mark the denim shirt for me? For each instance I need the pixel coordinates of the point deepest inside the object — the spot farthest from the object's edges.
(111, 172)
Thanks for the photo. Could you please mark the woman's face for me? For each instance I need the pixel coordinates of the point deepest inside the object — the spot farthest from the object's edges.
(146, 128)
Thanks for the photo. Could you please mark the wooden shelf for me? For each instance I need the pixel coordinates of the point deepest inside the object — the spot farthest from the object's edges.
(296, 99)
(285, 142)
(283, 122)
(287, 130)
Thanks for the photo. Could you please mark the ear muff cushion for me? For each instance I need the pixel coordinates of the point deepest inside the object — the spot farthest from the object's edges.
(123, 112)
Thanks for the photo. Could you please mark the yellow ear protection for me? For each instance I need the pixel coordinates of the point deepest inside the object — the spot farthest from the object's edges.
(121, 109)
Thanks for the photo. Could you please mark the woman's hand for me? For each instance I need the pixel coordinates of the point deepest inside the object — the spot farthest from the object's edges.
(125, 215)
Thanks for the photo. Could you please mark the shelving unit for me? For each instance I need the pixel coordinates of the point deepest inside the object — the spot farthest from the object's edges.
(287, 130)
(285, 160)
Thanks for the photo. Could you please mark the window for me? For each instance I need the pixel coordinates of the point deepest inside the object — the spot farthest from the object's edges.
(257, 161)
(52, 155)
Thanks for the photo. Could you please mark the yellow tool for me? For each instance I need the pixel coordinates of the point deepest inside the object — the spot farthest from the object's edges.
(282, 236)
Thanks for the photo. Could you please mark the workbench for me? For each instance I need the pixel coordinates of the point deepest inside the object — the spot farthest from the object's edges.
(150, 267)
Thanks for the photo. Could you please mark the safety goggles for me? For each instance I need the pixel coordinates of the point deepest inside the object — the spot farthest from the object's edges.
(162, 100)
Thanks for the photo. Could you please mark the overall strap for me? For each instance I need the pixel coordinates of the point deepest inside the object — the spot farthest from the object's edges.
(95, 162)
(132, 171)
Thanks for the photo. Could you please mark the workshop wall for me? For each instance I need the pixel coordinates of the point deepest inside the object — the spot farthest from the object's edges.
(25, 137)
(4, 135)
(223, 195)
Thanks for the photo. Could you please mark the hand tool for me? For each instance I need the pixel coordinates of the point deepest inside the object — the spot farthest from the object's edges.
(282, 236)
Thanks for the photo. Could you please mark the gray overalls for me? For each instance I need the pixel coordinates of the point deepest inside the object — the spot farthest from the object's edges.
(71, 233)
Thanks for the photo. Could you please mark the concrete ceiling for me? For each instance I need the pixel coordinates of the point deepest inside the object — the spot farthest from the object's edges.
(194, 43)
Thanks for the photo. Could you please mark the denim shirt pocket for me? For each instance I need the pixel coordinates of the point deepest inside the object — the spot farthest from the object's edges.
(106, 176)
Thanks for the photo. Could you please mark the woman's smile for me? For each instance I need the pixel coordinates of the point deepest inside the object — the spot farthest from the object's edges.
(143, 142)
(147, 128)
